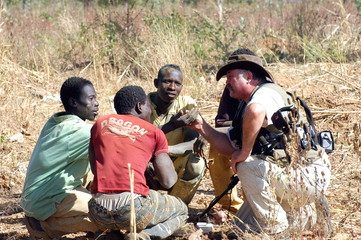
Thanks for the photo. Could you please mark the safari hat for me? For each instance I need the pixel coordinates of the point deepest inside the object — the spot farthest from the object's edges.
(247, 62)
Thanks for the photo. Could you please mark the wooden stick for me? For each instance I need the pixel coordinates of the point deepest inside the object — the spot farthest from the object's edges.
(344, 80)
(339, 165)
(307, 79)
(133, 224)
(336, 111)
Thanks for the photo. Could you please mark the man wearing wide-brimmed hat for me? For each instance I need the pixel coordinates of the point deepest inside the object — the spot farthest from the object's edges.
(219, 164)
(275, 192)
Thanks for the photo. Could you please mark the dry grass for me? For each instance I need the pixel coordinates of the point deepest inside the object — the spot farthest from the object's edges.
(39, 53)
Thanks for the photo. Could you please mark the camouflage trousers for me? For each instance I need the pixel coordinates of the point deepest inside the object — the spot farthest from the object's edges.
(157, 216)
(272, 192)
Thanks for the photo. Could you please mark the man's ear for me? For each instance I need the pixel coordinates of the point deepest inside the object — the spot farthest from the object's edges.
(138, 108)
(249, 76)
(156, 81)
(72, 102)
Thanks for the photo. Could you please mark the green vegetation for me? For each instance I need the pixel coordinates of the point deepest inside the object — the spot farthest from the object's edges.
(312, 47)
(118, 33)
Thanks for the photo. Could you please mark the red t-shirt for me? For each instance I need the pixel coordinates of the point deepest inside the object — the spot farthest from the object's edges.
(119, 140)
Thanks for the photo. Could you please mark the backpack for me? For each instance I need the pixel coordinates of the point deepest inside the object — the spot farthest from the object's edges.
(308, 135)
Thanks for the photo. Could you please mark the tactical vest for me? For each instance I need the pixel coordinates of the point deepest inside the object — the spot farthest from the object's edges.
(271, 142)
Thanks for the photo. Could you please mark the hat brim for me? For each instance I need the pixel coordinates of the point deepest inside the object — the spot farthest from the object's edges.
(247, 65)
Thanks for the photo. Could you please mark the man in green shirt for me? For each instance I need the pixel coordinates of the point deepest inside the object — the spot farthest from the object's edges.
(54, 198)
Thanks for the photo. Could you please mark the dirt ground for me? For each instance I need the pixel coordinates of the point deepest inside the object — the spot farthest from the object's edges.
(333, 92)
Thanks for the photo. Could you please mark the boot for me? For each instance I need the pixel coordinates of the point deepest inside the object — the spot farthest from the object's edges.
(190, 169)
(34, 228)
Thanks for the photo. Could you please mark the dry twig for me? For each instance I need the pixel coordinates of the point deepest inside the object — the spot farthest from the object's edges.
(133, 224)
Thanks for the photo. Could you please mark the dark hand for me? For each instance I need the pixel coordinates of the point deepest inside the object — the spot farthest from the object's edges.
(182, 118)
(151, 182)
(198, 146)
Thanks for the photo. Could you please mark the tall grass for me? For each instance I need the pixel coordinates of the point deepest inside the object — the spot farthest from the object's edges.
(116, 45)
(64, 35)
(120, 44)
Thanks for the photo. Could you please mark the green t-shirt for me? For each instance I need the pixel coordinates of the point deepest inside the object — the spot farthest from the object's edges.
(57, 165)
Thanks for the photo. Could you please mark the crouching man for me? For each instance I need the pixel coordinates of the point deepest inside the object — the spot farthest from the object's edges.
(171, 113)
(128, 138)
(54, 199)
(276, 186)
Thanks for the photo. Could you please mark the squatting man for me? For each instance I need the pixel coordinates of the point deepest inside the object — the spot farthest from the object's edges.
(54, 196)
(171, 112)
(128, 138)
(270, 190)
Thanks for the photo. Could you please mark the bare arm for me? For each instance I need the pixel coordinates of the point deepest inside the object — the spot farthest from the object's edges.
(164, 169)
(214, 137)
(252, 122)
(181, 119)
(199, 145)
(91, 157)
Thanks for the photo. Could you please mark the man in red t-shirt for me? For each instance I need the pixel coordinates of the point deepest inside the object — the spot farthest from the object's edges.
(128, 138)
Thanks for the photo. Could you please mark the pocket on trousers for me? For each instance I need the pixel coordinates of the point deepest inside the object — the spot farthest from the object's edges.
(143, 213)
(99, 215)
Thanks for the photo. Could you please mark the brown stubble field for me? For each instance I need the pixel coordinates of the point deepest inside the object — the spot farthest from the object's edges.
(29, 89)
(332, 92)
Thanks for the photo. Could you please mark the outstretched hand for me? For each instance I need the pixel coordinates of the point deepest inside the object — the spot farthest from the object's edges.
(183, 118)
(197, 123)
(198, 146)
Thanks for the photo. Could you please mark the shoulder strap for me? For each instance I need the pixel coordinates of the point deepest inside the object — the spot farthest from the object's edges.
(307, 111)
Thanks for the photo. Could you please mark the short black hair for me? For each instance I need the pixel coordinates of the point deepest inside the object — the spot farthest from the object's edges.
(127, 98)
(72, 88)
(243, 51)
(164, 68)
